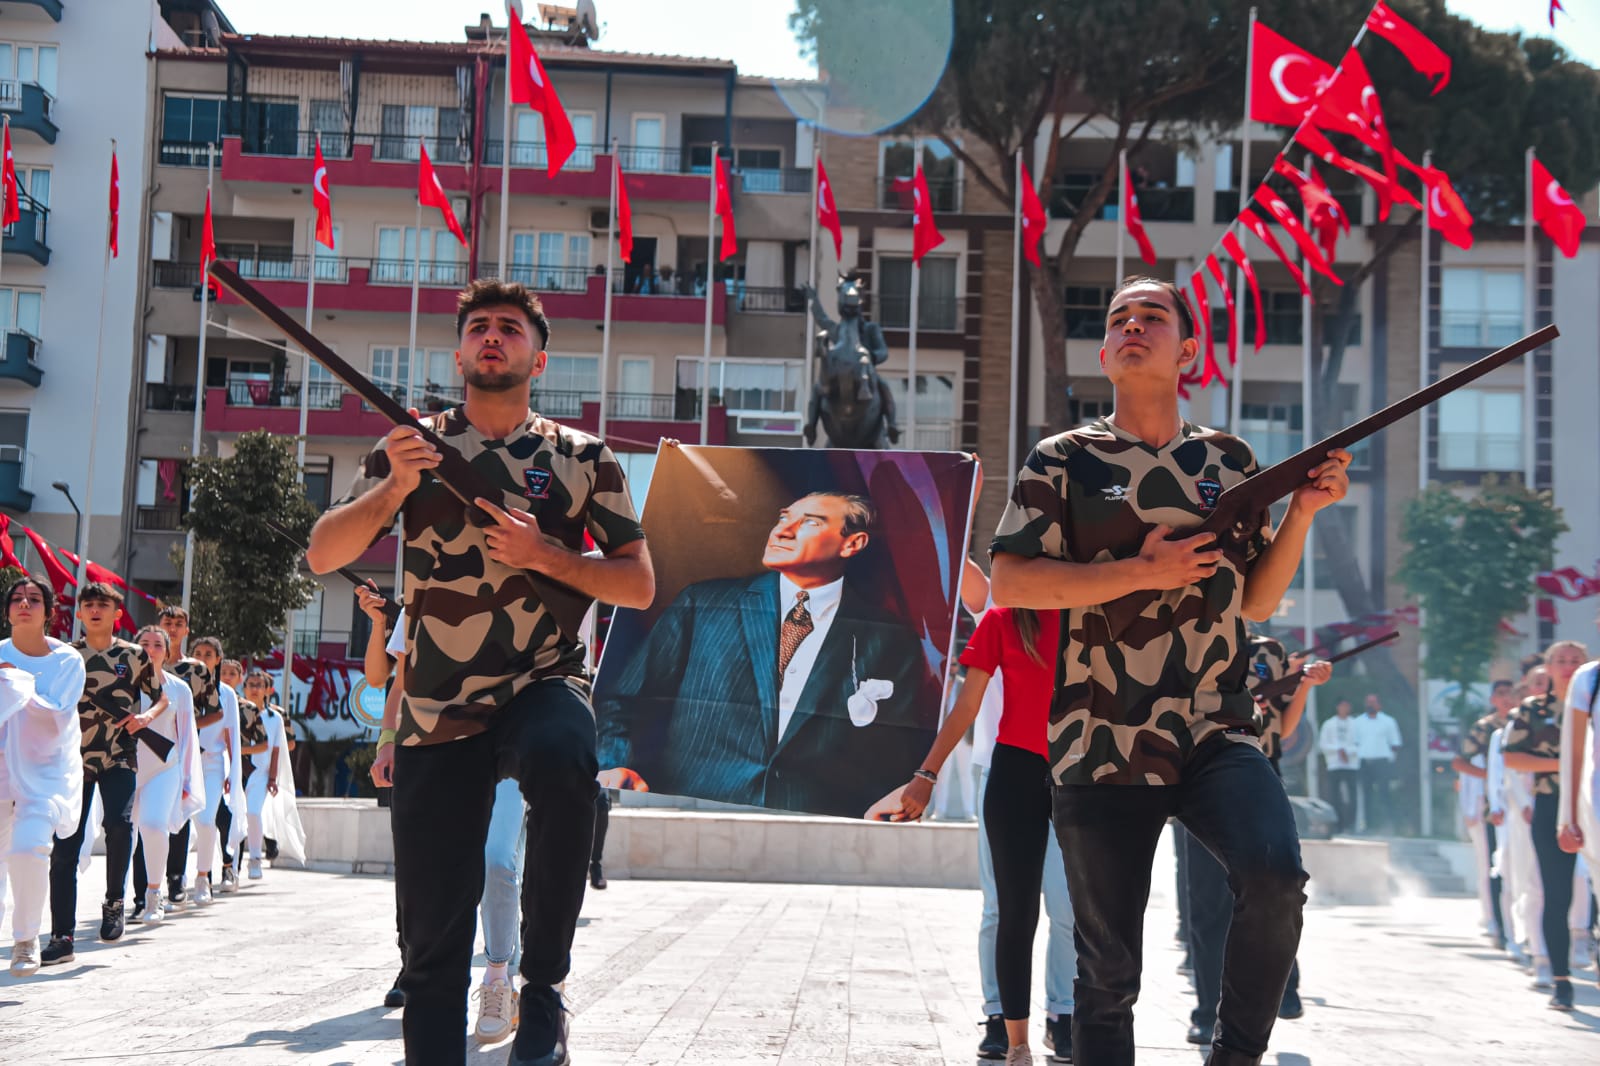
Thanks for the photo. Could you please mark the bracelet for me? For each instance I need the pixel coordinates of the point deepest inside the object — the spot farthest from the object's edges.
(927, 775)
(385, 736)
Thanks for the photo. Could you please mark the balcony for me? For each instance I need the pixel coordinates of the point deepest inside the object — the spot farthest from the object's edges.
(160, 397)
(21, 359)
(29, 234)
(49, 7)
(768, 300)
(264, 392)
(29, 108)
(894, 194)
(785, 180)
(16, 474)
(163, 518)
(532, 154)
(1174, 203)
(1480, 452)
(1225, 205)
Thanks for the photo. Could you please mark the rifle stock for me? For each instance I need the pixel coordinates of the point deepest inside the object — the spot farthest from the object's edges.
(1235, 519)
(158, 744)
(1287, 684)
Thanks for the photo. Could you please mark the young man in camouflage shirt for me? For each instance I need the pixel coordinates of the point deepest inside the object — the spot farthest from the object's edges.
(493, 687)
(117, 673)
(1144, 722)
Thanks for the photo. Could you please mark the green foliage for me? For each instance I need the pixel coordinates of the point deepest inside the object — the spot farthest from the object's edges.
(8, 577)
(1470, 561)
(246, 577)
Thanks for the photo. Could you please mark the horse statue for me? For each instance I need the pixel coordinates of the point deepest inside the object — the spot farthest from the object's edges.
(852, 401)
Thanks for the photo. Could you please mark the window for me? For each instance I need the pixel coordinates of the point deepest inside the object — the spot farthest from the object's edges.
(326, 392)
(188, 125)
(1479, 308)
(405, 125)
(14, 437)
(271, 127)
(327, 120)
(527, 139)
(638, 468)
(430, 378)
(1273, 430)
(763, 395)
(937, 305)
(307, 623)
(391, 368)
(319, 486)
(35, 184)
(636, 377)
(936, 411)
(20, 310)
(1086, 307)
(1084, 411)
(440, 257)
(551, 261)
(898, 158)
(1480, 429)
(258, 260)
(649, 142)
(27, 64)
(571, 373)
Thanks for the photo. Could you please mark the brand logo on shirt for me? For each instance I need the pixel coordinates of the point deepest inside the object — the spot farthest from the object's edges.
(1210, 490)
(538, 481)
(1116, 493)
(122, 671)
(1263, 672)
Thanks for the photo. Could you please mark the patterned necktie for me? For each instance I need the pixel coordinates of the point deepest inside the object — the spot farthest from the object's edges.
(796, 628)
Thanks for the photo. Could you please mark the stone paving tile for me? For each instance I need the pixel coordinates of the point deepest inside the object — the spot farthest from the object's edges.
(293, 969)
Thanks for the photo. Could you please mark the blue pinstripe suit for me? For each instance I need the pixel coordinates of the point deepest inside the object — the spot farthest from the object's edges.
(695, 712)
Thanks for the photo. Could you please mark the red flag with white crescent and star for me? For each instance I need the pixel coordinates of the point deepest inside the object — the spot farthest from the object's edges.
(925, 235)
(1284, 79)
(827, 212)
(321, 200)
(432, 194)
(208, 238)
(1428, 58)
(1447, 212)
(1350, 105)
(1035, 220)
(12, 209)
(529, 85)
(1135, 221)
(1236, 252)
(1553, 209)
(624, 214)
(115, 206)
(730, 239)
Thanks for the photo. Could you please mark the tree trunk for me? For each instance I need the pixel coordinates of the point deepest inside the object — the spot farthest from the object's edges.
(1049, 295)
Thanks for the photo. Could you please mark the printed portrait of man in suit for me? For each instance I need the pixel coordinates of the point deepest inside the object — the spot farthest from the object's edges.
(787, 689)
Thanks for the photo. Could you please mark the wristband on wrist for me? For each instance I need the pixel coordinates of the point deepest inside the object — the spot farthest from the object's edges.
(927, 775)
(385, 736)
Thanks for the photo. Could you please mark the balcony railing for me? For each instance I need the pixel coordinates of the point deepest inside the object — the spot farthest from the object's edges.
(437, 273)
(399, 148)
(644, 159)
(158, 519)
(894, 312)
(29, 107)
(553, 278)
(641, 406)
(768, 299)
(263, 392)
(1157, 203)
(30, 234)
(932, 435)
(1480, 451)
(532, 154)
(894, 194)
(559, 403)
(160, 397)
(778, 180)
(186, 153)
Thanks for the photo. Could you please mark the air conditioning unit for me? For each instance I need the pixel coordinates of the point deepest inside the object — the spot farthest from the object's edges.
(599, 221)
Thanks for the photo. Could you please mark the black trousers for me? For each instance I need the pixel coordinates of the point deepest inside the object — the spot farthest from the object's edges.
(224, 824)
(443, 795)
(1234, 804)
(1016, 817)
(1491, 834)
(602, 822)
(1375, 776)
(116, 787)
(1342, 786)
(1556, 868)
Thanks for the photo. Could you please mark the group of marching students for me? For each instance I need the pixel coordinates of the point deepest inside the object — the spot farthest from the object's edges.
(160, 734)
(1528, 800)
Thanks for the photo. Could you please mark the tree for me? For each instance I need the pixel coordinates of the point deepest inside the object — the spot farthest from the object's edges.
(1470, 561)
(246, 577)
(9, 575)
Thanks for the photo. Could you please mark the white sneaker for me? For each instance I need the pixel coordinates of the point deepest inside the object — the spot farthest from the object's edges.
(25, 958)
(202, 890)
(1541, 973)
(497, 1012)
(1021, 1055)
(154, 912)
(1580, 949)
(230, 881)
(255, 869)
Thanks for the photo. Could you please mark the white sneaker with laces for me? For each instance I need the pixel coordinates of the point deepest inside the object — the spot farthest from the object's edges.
(1541, 973)
(202, 890)
(1021, 1055)
(255, 869)
(1580, 949)
(497, 1012)
(230, 881)
(154, 913)
(25, 958)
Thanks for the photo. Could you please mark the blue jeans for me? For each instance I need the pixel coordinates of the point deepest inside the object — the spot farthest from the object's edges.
(1061, 956)
(501, 905)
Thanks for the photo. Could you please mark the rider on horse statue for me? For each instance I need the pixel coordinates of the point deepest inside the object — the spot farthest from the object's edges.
(851, 399)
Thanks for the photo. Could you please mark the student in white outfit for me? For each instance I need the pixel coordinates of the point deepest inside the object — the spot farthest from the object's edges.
(168, 790)
(41, 771)
(1497, 785)
(1580, 775)
(277, 805)
(224, 775)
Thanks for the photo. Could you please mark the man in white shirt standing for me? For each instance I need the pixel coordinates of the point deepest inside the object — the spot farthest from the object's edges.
(1337, 741)
(1377, 738)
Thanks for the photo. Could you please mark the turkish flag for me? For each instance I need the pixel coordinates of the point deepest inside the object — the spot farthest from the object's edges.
(1560, 218)
(529, 85)
(1555, 5)
(1317, 142)
(1256, 226)
(1428, 58)
(8, 551)
(1227, 297)
(1446, 211)
(925, 235)
(208, 239)
(1286, 218)
(827, 213)
(1135, 222)
(730, 239)
(624, 214)
(1350, 105)
(1324, 211)
(1212, 371)
(1236, 252)
(116, 205)
(431, 193)
(1034, 219)
(95, 572)
(1284, 78)
(321, 200)
(12, 210)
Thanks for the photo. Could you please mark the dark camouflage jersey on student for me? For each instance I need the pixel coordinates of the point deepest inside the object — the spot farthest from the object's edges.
(115, 677)
(1535, 729)
(1131, 707)
(476, 633)
(1269, 661)
(1475, 741)
(202, 686)
(252, 730)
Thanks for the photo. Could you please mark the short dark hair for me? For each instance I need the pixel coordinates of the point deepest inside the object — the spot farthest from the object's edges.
(1500, 684)
(1179, 302)
(210, 642)
(172, 610)
(492, 292)
(45, 591)
(100, 590)
(860, 513)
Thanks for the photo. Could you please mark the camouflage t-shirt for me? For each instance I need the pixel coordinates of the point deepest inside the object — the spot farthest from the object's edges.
(476, 634)
(1130, 709)
(202, 686)
(1269, 661)
(1535, 729)
(252, 730)
(1475, 741)
(115, 677)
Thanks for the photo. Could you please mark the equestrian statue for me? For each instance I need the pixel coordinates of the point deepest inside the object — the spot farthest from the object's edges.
(851, 399)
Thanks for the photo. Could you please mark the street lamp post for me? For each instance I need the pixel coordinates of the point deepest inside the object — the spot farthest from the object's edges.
(77, 539)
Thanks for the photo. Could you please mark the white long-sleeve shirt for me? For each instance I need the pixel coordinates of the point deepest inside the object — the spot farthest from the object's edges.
(1336, 735)
(1377, 736)
(39, 734)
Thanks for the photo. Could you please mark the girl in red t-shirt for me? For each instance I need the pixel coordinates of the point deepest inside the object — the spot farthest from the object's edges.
(1023, 645)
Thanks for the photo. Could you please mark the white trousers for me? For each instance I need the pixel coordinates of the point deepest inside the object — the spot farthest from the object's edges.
(26, 836)
(1527, 907)
(1482, 863)
(205, 823)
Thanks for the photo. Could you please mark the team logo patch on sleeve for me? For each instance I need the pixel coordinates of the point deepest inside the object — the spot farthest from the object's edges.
(1210, 490)
(122, 671)
(1263, 671)
(538, 481)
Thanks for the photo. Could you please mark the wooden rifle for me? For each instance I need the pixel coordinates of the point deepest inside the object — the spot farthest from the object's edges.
(1283, 686)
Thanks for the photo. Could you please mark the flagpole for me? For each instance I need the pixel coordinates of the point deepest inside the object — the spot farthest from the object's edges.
(199, 388)
(411, 373)
(1424, 350)
(505, 160)
(808, 353)
(1122, 215)
(300, 445)
(94, 424)
(711, 273)
(1529, 408)
(605, 329)
(1236, 377)
(1016, 316)
(1308, 437)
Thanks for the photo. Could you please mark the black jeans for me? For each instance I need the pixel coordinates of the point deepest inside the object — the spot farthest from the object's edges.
(1016, 816)
(443, 795)
(1496, 886)
(1342, 788)
(224, 824)
(1555, 872)
(116, 786)
(1235, 805)
(1375, 775)
(602, 822)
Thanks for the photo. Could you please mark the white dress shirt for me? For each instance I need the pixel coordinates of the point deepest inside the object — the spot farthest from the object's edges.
(1377, 736)
(1339, 734)
(823, 604)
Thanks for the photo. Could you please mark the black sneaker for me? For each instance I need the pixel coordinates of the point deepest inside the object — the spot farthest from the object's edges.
(394, 999)
(995, 1042)
(597, 879)
(269, 849)
(57, 951)
(1290, 1007)
(176, 893)
(542, 1032)
(1561, 999)
(1200, 1034)
(111, 921)
(136, 912)
(1058, 1038)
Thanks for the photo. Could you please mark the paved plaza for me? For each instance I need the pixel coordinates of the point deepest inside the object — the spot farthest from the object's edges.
(293, 969)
